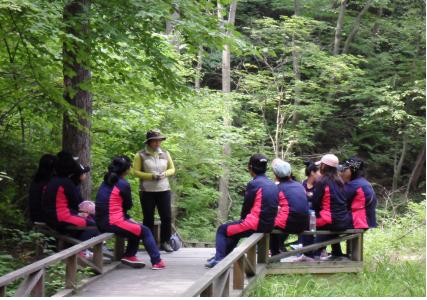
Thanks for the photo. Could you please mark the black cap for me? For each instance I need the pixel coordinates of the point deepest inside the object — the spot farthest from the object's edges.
(354, 163)
(258, 163)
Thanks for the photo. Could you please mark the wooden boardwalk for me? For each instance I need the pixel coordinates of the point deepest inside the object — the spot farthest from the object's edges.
(183, 268)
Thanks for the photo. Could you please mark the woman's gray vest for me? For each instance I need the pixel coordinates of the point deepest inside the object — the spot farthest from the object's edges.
(154, 164)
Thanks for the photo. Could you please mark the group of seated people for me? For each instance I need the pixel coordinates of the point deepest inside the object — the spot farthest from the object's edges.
(55, 199)
(339, 195)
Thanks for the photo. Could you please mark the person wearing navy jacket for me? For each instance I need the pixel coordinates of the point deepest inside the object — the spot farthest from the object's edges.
(113, 201)
(360, 194)
(61, 200)
(330, 205)
(38, 186)
(293, 214)
(258, 211)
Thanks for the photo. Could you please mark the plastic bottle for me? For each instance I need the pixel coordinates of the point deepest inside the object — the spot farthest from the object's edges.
(312, 221)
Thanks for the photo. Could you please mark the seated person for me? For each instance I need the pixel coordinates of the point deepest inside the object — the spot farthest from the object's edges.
(360, 194)
(293, 216)
(62, 198)
(87, 210)
(38, 185)
(258, 211)
(330, 206)
(113, 201)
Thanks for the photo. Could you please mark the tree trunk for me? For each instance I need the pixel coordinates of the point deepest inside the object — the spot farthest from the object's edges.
(296, 68)
(338, 29)
(76, 123)
(224, 201)
(170, 28)
(198, 75)
(416, 171)
(356, 26)
(398, 165)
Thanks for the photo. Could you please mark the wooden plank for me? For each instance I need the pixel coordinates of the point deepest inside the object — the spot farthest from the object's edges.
(263, 249)
(314, 267)
(323, 232)
(239, 273)
(26, 287)
(52, 259)
(356, 248)
(312, 247)
(205, 280)
(250, 268)
(71, 272)
(84, 262)
(38, 290)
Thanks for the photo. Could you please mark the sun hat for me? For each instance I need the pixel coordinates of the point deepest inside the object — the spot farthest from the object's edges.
(281, 168)
(329, 160)
(154, 135)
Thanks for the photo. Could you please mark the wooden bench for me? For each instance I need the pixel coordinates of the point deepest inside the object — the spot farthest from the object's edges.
(354, 251)
(34, 274)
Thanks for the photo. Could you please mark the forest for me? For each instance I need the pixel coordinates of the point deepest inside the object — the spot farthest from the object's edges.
(222, 80)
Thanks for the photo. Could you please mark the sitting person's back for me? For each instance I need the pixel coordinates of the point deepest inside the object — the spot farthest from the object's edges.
(258, 211)
(38, 186)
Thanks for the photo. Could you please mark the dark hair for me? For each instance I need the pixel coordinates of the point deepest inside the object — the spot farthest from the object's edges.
(356, 166)
(258, 164)
(65, 164)
(118, 166)
(46, 168)
(310, 167)
(332, 174)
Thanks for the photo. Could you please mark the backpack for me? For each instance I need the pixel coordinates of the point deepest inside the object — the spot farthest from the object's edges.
(175, 241)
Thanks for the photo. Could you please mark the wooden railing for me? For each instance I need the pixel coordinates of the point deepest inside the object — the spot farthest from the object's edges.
(34, 274)
(245, 262)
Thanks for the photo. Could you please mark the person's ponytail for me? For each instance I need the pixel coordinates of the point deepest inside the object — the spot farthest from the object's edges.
(118, 166)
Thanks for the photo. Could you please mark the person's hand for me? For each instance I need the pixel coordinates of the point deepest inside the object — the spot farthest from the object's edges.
(162, 175)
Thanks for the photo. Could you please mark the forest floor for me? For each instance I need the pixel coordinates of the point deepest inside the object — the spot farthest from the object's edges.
(395, 265)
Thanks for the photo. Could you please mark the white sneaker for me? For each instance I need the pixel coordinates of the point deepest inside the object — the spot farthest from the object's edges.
(304, 258)
(290, 259)
(296, 246)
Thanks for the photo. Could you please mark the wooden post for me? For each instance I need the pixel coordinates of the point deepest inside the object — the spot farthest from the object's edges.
(348, 248)
(119, 248)
(2, 291)
(38, 290)
(97, 256)
(71, 272)
(239, 274)
(222, 287)
(263, 248)
(251, 259)
(208, 292)
(156, 232)
(356, 248)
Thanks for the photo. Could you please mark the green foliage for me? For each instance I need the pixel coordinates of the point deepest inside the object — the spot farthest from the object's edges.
(395, 265)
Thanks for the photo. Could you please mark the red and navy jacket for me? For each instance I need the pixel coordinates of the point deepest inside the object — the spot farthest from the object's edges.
(293, 215)
(112, 204)
(61, 203)
(362, 202)
(330, 205)
(260, 204)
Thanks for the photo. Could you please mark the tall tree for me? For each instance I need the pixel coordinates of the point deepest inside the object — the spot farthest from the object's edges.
(356, 25)
(296, 67)
(224, 200)
(338, 28)
(76, 54)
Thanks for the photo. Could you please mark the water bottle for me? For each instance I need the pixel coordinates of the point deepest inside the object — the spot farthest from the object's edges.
(312, 221)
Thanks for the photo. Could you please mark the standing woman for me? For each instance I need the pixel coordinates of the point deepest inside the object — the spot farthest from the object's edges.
(113, 201)
(153, 165)
(38, 186)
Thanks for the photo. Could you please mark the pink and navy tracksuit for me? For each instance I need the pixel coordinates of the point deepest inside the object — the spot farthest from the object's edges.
(332, 213)
(60, 207)
(362, 201)
(112, 204)
(258, 214)
(293, 214)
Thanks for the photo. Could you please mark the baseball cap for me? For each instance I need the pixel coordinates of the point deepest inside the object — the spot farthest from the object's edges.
(281, 168)
(329, 160)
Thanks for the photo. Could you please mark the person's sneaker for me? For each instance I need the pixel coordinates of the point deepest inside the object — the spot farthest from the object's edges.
(166, 247)
(209, 259)
(304, 258)
(296, 246)
(212, 263)
(159, 266)
(87, 254)
(336, 258)
(133, 261)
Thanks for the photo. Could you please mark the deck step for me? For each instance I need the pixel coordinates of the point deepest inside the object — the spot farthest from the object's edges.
(318, 267)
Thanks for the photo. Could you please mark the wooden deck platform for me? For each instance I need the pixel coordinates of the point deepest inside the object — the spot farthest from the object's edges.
(183, 268)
